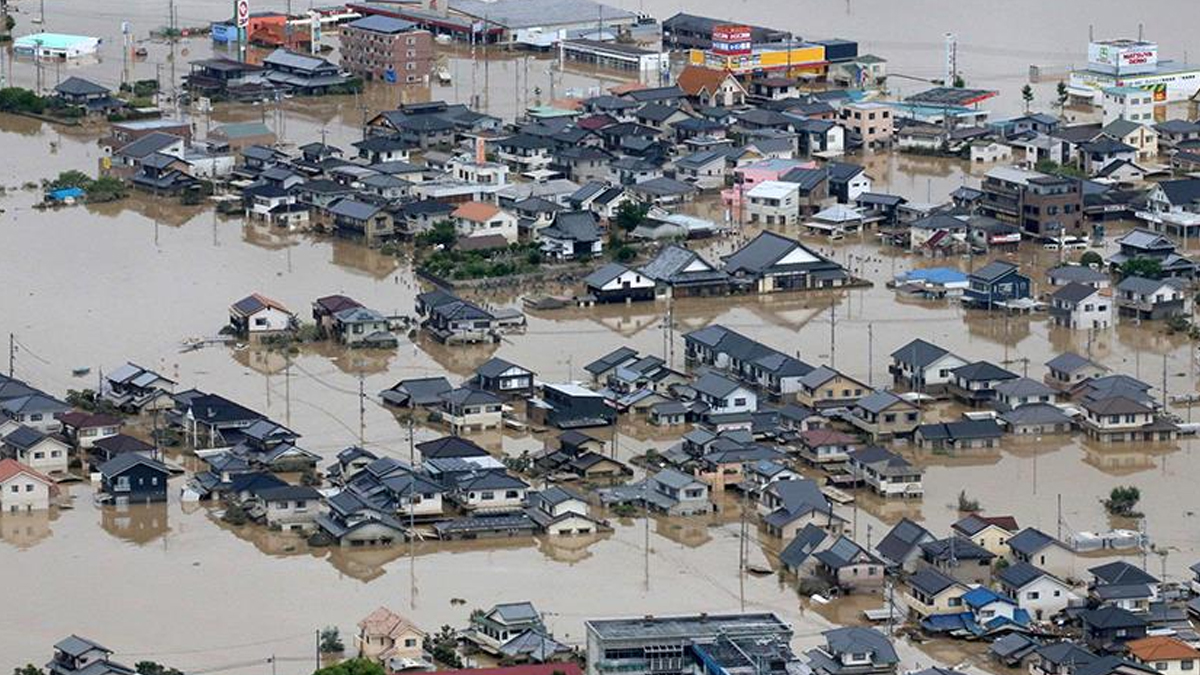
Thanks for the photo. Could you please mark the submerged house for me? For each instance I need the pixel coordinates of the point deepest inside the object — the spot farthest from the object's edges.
(133, 478)
(772, 263)
(669, 491)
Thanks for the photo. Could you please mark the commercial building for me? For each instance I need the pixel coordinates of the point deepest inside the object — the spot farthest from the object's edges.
(387, 49)
(615, 56)
(56, 45)
(689, 31)
(671, 645)
(1135, 64)
(536, 22)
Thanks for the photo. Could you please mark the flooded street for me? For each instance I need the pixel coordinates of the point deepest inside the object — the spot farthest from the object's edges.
(150, 284)
(93, 287)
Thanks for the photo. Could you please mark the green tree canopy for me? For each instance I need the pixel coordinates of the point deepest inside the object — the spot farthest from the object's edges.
(353, 667)
(1142, 267)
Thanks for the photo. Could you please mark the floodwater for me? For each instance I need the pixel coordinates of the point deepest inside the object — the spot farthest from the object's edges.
(100, 285)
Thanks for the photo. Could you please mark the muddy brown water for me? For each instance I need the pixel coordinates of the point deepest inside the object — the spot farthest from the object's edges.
(101, 285)
(97, 286)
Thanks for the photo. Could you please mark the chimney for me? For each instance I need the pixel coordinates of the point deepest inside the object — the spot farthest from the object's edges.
(480, 155)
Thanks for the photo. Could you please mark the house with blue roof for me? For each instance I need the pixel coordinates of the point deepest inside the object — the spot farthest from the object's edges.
(986, 613)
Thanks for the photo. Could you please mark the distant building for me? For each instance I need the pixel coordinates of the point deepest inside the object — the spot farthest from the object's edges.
(386, 49)
(1041, 205)
(664, 645)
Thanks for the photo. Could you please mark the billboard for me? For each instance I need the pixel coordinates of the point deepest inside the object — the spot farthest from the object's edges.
(1123, 57)
(731, 39)
(243, 13)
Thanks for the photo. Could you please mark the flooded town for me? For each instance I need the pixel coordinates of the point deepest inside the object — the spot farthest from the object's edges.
(566, 337)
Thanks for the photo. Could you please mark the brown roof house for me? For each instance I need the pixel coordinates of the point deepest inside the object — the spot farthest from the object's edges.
(392, 641)
(709, 87)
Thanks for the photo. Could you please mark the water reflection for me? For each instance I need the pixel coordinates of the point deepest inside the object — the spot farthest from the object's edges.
(138, 524)
(25, 530)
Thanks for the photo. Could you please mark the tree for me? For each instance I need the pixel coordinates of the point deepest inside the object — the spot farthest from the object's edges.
(1061, 92)
(1027, 96)
(105, 189)
(623, 253)
(630, 215)
(28, 669)
(1141, 267)
(70, 179)
(358, 666)
(1122, 501)
(959, 82)
(1091, 259)
(442, 234)
(331, 641)
(152, 668)
(443, 646)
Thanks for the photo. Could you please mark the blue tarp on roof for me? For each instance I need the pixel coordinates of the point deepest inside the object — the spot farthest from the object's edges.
(937, 275)
(63, 194)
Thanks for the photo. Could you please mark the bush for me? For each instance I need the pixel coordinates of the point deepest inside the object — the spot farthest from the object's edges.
(105, 189)
(1178, 323)
(235, 515)
(18, 100)
(1122, 501)
(359, 666)
(152, 668)
(624, 253)
(966, 504)
(319, 539)
(1091, 259)
(624, 510)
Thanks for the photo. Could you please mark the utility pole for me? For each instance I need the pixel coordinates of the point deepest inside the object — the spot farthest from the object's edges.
(362, 410)
(833, 333)
(12, 353)
(870, 354)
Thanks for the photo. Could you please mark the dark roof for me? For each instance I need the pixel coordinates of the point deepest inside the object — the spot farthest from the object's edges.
(902, 540)
(124, 462)
(802, 546)
(956, 548)
(982, 371)
(994, 270)
(77, 86)
(764, 251)
(450, 446)
(1029, 541)
(918, 353)
(379, 23)
(1111, 617)
(930, 581)
(1182, 192)
(1019, 574)
(858, 640)
(1121, 573)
